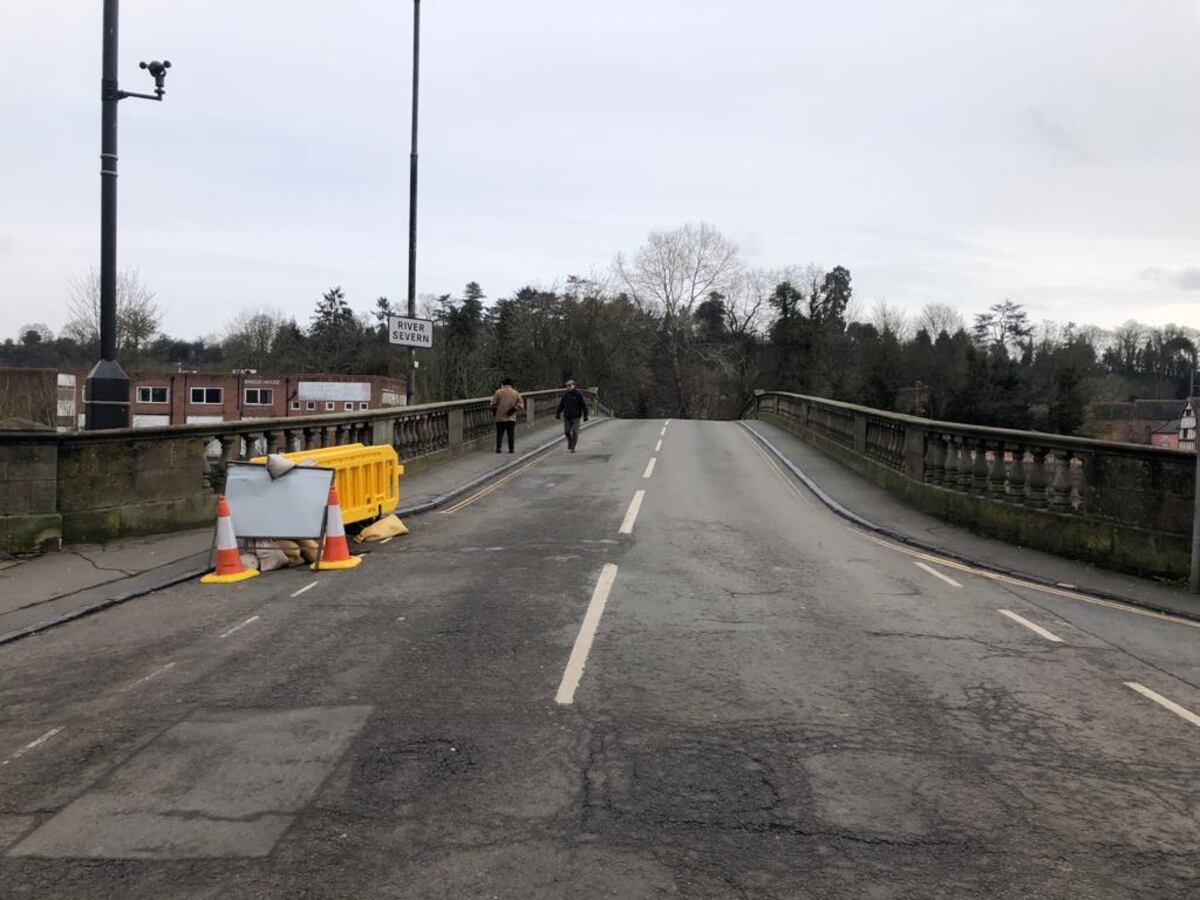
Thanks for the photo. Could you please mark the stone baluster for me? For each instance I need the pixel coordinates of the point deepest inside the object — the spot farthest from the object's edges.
(997, 472)
(1038, 480)
(931, 460)
(291, 440)
(312, 438)
(950, 477)
(965, 464)
(979, 468)
(1061, 498)
(1017, 474)
(939, 458)
(230, 446)
(326, 436)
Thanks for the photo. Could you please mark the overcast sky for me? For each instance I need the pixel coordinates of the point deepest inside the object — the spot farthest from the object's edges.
(960, 152)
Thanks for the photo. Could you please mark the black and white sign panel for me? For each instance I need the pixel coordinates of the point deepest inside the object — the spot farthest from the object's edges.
(410, 332)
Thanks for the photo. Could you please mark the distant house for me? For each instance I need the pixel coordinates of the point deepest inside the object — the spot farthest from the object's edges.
(1133, 422)
(1187, 425)
(1166, 435)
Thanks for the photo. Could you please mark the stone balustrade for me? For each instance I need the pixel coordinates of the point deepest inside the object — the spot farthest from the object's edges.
(1123, 506)
(99, 485)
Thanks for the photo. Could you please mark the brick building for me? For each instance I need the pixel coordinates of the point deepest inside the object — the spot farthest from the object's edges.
(176, 398)
(180, 398)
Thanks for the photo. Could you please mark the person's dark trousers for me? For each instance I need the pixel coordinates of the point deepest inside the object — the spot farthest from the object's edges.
(503, 428)
(571, 430)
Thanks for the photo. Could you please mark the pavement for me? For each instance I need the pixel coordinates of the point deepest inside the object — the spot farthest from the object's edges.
(865, 499)
(89, 577)
(603, 677)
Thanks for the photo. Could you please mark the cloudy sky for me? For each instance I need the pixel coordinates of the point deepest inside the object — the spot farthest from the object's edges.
(950, 151)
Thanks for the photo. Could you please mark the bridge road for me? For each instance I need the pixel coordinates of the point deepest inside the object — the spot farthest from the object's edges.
(773, 705)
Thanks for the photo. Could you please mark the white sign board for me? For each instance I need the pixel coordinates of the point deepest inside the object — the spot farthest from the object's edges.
(410, 332)
(291, 506)
(358, 391)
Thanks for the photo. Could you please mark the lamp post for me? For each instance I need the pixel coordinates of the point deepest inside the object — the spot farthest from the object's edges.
(106, 394)
(412, 195)
(1194, 578)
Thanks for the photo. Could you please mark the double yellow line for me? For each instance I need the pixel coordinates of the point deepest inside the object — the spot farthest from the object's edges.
(495, 485)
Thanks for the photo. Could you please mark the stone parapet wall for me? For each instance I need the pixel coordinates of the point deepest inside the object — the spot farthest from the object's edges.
(102, 485)
(1124, 507)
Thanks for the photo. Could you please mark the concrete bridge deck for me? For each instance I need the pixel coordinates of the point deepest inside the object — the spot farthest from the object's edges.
(774, 704)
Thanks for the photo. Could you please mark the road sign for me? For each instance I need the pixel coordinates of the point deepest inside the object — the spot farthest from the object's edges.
(410, 332)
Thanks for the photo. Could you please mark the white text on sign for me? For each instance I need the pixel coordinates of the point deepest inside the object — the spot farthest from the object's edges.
(410, 332)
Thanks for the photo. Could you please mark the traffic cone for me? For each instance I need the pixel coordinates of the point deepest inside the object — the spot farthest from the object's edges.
(336, 554)
(230, 568)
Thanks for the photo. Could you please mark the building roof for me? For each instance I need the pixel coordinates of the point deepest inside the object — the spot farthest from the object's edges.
(1154, 410)
(1171, 427)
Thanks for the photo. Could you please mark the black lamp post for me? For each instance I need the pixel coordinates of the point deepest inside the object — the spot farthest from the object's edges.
(412, 194)
(106, 395)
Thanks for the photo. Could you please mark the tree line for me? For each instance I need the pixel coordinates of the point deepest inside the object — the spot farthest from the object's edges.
(679, 327)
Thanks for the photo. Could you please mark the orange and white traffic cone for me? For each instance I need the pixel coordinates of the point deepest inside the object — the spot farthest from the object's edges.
(230, 568)
(336, 554)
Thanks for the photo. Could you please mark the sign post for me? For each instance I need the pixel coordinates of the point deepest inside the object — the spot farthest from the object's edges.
(410, 332)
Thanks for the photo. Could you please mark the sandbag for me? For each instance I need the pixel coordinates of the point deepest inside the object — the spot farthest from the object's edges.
(308, 550)
(388, 526)
(292, 550)
(269, 559)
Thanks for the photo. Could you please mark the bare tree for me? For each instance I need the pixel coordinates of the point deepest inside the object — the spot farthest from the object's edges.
(138, 316)
(935, 318)
(889, 319)
(670, 274)
(251, 336)
(35, 333)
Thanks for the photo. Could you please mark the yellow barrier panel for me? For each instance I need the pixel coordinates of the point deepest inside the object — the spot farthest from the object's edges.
(368, 478)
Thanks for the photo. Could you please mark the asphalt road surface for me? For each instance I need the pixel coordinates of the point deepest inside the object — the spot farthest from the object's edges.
(566, 687)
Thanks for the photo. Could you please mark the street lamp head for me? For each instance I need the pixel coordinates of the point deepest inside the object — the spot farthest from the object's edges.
(158, 71)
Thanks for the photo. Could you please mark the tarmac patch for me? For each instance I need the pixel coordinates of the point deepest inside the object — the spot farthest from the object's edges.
(223, 784)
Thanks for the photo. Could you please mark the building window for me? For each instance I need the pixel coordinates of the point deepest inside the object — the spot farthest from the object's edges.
(364, 405)
(349, 406)
(310, 404)
(330, 406)
(208, 396)
(151, 394)
(295, 404)
(259, 396)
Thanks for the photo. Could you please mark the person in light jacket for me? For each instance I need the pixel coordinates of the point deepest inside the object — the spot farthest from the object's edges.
(571, 408)
(506, 405)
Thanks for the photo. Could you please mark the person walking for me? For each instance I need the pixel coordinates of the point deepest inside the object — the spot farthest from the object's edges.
(506, 404)
(571, 407)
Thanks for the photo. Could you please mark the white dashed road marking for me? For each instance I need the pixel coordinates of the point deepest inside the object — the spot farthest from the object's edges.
(159, 671)
(587, 633)
(658, 446)
(240, 626)
(1164, 702)
(1032, 626)
(632, 514)
(650, 467)
(936, 574)
(32, 745)
(307, 587)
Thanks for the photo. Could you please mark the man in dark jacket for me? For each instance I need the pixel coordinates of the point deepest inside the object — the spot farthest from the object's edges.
(570, 408)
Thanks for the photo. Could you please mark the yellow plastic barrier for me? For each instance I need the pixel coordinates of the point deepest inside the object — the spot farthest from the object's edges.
(368, 478)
